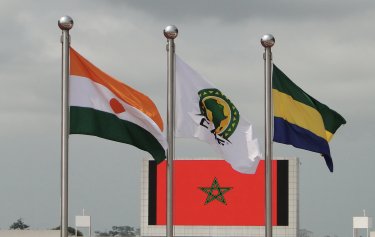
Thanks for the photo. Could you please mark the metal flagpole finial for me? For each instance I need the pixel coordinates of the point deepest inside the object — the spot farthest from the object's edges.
(170, 32)
(267, 40)
(65, 23)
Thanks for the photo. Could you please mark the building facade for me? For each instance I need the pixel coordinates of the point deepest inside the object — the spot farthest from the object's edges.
(237, 211)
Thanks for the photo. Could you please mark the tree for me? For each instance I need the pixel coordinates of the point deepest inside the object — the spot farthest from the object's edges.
(99, 233)
(137, 231)
(71, 231)
(18, 225)
(120, 231)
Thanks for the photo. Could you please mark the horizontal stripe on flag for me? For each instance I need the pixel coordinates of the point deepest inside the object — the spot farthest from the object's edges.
(85, 93)
(106, 125)
(296, 136)
(331, 119)
(79, 66)
(329, 135)
(283, 84)
(298, 113)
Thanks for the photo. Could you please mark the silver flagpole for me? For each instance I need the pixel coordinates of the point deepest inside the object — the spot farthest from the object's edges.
(170, 32)
(268, 41)
(65, 23)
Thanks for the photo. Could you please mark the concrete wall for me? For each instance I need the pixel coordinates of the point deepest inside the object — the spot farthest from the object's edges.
(29, 233)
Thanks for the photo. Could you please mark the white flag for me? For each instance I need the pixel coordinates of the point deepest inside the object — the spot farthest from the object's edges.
(204, 112)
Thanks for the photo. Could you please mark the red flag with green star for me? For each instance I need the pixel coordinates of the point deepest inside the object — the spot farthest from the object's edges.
(210, 192)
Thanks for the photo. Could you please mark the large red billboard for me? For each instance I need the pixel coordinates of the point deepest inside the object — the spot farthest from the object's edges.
(210, 192)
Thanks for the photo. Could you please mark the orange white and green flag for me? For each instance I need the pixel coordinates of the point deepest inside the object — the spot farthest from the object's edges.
(104, 107)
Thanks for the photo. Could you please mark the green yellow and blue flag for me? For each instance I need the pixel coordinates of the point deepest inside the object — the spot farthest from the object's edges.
(300, 120)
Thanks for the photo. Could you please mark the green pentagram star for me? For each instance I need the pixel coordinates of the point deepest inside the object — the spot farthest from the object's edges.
(215, 192)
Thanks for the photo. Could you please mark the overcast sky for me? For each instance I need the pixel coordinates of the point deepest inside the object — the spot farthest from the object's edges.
(326, 47)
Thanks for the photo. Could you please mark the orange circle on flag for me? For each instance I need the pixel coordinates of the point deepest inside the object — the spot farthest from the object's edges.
(116, 106)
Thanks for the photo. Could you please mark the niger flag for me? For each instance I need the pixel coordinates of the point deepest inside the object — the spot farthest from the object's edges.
(211, 193)
(105, 107)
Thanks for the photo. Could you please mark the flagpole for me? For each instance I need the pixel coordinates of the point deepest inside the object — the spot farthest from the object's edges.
(65, 23)
(170, 32)
(268, 41)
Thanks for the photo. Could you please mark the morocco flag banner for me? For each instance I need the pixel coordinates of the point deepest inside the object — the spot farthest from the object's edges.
(105, 107)
(211, 193)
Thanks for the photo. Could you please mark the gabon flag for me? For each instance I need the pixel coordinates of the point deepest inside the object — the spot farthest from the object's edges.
(104, 107)
(300, 120)
(211, 193)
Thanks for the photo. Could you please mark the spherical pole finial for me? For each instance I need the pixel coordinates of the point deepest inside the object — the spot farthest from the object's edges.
(170, 32)
(65, 23)
(267, 40)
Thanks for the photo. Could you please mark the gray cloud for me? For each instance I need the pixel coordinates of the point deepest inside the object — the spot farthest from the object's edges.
(240, 10)
(325, 47)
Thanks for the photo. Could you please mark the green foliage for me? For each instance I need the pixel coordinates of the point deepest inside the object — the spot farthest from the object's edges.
(71, 231)
(99, 233)
(18, 225)
(119, 231)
